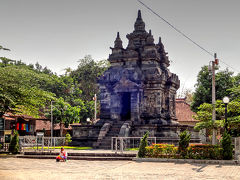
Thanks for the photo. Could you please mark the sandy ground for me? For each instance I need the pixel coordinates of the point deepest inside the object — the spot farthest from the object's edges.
(21, 169)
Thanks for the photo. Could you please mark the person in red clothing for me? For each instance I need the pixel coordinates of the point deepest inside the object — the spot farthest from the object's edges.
(62, 156)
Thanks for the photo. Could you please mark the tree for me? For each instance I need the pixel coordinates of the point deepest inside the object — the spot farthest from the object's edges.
(237, 79)
(185, 137)
(21, 92)
(28, 88)
(204, 115)
(203, 92)
(227, 146)
(6, 61)
(85, 84)
(143, 145)
(234, 93)
(86, 75)
(64, 113)
(14, 143)
(2, 48)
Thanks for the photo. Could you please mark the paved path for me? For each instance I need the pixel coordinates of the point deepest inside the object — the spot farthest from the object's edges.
(21, 169)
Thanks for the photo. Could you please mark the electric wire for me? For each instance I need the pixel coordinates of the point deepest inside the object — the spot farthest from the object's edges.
(180, 32)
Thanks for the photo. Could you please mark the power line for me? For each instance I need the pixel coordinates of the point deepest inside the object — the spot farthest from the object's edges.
(184, 35)
(229, 66)
(211, 54)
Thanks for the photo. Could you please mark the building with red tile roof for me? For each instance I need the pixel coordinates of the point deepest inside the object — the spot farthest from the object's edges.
(184, 113)
(28, 125)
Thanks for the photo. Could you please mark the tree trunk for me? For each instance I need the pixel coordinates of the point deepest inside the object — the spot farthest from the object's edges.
(61, 129)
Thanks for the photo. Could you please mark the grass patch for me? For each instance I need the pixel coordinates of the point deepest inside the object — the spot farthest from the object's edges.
(132, 149)
(59, 147)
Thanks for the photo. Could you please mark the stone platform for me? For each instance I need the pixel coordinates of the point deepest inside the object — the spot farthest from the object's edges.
(90, 155)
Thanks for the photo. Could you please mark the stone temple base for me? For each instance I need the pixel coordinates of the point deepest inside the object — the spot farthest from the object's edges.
(99, 136)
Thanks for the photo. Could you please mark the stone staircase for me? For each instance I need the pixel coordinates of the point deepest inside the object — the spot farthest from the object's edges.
(80, 156)
(113, 132)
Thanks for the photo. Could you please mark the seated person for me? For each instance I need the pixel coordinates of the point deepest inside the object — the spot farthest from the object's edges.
(62, 156)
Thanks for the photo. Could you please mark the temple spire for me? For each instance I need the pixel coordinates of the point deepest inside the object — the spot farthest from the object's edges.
(160, 40)
(118, 42)
(161, 46)
(163, 53)
(150, 40)
(139, 24)
(139, 15)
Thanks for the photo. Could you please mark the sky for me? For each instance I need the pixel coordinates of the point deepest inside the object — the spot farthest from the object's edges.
(57, 33)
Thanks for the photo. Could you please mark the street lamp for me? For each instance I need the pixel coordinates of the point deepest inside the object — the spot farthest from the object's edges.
(51, 120)
(226, 101)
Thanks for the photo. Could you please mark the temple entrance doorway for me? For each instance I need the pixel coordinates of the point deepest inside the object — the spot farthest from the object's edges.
(126, 106)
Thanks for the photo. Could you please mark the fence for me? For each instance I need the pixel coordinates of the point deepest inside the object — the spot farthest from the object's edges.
(40, 143)
(236, 147)
(125, 143)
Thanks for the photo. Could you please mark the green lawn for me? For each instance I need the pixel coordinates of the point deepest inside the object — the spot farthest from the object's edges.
(132, 149)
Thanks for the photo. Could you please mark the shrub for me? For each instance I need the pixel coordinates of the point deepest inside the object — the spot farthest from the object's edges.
(14, 143)
(142, 147)
(185, 137)
(204, 151)
(68, 139)
(1, 146)
(227, 146)
(161, 151)
(194, 151)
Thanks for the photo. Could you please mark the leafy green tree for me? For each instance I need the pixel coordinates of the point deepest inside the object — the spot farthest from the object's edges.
(14, 143)
(85, 84)
(86, 75)
(21, 91)
(64, 113)
(234, 93)
(27, 88)
(203, 92)
(204, 115)
(6, 61)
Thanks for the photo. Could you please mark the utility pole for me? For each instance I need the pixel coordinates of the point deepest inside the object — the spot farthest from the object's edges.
(51, 122)
(95, 103)
(215, 62)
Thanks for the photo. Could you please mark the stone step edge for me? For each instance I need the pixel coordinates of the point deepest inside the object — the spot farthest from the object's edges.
(196, 161)
(78, 158)
(82, 154)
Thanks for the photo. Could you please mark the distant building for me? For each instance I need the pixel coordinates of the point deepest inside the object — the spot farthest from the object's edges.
(184, 113)
(24, 124)
(28, 126)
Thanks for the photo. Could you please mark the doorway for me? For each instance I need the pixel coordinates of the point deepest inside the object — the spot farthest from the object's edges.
(125, 106)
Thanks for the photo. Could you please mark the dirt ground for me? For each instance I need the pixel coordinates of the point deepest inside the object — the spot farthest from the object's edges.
(22, 169)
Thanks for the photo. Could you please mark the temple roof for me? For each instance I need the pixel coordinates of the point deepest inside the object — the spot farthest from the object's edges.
(140, 45)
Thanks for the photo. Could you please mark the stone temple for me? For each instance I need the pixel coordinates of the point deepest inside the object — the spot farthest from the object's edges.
(137, 93)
